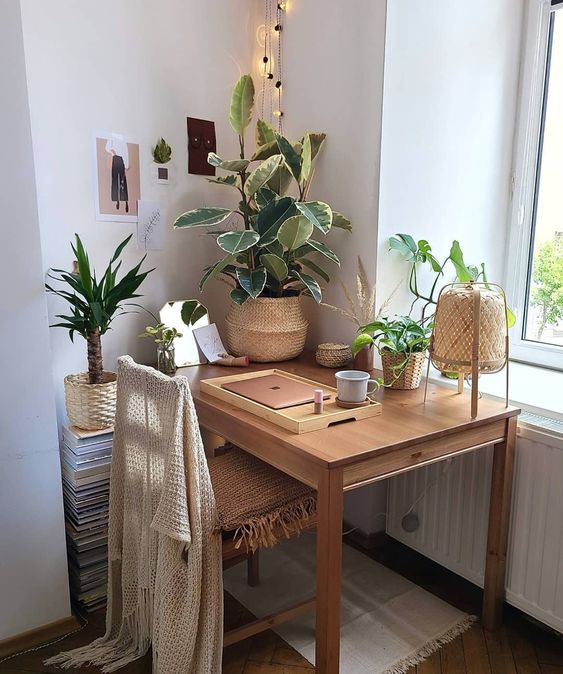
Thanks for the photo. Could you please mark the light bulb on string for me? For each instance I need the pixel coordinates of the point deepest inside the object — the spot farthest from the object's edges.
(282, 5)
(278, 113)
(277, 28)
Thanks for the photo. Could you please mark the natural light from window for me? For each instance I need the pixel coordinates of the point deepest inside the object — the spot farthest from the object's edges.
(544, 315)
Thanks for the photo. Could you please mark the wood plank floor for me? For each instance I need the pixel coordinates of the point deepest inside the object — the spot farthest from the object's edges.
(521, 647)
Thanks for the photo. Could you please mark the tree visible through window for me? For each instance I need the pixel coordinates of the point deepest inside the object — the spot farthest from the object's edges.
(544, 311)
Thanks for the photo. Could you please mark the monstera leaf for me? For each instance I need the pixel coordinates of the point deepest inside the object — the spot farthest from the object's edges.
(242, 101)
(202, 217)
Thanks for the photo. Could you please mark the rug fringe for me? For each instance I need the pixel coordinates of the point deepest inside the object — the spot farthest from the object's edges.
(421, 654)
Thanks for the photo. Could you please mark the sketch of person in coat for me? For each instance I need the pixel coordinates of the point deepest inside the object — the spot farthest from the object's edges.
(116, 147)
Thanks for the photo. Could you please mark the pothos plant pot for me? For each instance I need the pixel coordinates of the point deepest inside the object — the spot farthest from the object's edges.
(267, 329)
(363, 360)
(398, 375)
(90, 406)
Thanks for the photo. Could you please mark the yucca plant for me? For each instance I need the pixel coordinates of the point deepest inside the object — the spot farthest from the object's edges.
(95, 304)
(274, 253)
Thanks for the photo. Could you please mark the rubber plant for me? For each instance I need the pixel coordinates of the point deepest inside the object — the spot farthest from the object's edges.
(94, 304)
(275, 249)
(417, 253)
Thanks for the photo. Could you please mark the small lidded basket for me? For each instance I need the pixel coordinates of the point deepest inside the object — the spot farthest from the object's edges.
(333, 355)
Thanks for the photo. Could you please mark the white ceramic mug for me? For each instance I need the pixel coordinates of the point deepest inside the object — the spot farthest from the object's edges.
(352, 386)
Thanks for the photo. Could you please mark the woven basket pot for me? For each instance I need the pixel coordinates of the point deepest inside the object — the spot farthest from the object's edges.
(454, 323)
(267, 329)
(90, 406)
(411, 375)
(333, 355)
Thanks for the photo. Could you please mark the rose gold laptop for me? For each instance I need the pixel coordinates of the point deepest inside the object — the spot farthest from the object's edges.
(274, 391)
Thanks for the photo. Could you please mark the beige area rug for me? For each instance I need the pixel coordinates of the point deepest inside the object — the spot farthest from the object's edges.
(388, 623)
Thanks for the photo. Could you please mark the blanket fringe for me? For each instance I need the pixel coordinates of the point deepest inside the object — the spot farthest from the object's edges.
(418, 656)
(263, 531)
(112, 654)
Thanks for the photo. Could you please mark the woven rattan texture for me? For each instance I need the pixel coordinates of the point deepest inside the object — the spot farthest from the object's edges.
(453, 330)
(267, 329)
(333, 355)
(90, 406)
(255, 500)
(409, 377)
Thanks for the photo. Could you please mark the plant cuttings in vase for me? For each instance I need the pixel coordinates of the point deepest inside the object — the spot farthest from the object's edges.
(94, 304)
(275, 254)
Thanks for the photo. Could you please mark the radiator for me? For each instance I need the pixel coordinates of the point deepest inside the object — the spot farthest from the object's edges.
(451, 503)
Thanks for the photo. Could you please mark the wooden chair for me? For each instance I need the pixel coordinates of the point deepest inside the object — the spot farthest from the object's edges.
(257, 505)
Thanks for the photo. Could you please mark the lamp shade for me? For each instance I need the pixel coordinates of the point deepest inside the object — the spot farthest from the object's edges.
(470, 334)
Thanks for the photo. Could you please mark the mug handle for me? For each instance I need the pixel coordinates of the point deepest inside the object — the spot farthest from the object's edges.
(375, 387)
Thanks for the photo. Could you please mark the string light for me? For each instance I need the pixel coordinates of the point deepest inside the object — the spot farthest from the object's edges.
(277, 27)
(270, 61)
(278, 113)
(282, 5)
(268, 76)
(278, 84)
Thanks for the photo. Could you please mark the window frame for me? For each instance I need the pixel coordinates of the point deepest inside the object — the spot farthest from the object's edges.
(529, 126)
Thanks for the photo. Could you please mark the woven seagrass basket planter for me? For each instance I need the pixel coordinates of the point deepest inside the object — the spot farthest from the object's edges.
(90, 406)
(333, 355)
(267, 330)
(410, 377)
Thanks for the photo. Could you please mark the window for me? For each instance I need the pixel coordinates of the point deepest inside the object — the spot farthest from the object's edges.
(535, 282)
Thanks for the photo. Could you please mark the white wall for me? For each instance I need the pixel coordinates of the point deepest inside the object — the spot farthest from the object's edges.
(139, 68)
(451, 77)
(333, 82)
(33, 578)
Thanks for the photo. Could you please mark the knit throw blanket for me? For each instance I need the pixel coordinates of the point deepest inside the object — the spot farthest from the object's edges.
(165, 585)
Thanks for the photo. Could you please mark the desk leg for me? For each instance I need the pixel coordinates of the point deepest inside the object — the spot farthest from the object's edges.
(499, 522)
(329, 571)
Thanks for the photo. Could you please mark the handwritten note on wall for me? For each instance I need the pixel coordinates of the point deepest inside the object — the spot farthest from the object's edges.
(150, 226)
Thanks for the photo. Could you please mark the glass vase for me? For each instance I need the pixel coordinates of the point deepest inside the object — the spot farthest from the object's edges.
(166, 362)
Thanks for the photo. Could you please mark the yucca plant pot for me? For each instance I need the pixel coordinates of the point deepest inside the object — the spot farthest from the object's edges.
(267, 329)
(90, 406)
(397, 376)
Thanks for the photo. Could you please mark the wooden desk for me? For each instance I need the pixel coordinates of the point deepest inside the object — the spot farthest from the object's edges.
(407, 434)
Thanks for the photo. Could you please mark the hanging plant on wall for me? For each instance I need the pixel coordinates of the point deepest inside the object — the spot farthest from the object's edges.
(278, 251)
(162, 152)
(94, 305)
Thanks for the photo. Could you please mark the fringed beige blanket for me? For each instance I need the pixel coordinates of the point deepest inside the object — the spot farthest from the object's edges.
(165, 585)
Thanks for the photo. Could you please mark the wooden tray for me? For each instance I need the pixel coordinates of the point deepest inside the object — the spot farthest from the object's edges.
(297, 419)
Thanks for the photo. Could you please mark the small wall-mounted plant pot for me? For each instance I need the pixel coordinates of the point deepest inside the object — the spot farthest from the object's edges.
(90, 406)
(162, 173)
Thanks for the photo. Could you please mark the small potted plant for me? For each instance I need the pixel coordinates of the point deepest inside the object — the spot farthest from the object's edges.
(402, 344)
(164, 339)
(90, 397)
(162, 154)
(272, 259)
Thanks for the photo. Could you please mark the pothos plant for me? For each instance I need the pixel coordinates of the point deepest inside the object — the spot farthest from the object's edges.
(400, 335)
(417, 253)
(275, 253)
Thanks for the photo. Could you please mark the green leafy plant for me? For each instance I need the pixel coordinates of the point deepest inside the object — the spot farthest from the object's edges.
(162, 152)
(547, 292)
(95, 304)
(417, 253)
(161, 335)
(275, 254)
(401, 335)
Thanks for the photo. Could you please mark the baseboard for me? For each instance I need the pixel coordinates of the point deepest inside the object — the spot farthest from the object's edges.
(38, 636)
(362, 538)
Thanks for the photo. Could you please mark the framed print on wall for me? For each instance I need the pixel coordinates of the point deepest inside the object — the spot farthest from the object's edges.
(118, 178)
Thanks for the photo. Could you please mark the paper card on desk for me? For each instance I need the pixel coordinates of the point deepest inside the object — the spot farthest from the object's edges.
(150, 226)
(208, 340)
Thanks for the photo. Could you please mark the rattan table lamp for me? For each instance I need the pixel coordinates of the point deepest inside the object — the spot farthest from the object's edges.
(470, 334)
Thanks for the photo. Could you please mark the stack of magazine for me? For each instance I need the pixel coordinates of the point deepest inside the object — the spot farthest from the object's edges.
(86, 463)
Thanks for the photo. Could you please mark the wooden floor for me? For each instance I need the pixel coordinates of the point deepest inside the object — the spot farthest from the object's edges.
(521, 647)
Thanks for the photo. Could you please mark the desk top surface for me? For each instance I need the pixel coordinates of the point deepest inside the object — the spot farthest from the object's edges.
(405, 419)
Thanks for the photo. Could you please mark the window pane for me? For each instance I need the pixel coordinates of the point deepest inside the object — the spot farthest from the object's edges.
(544, 316)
